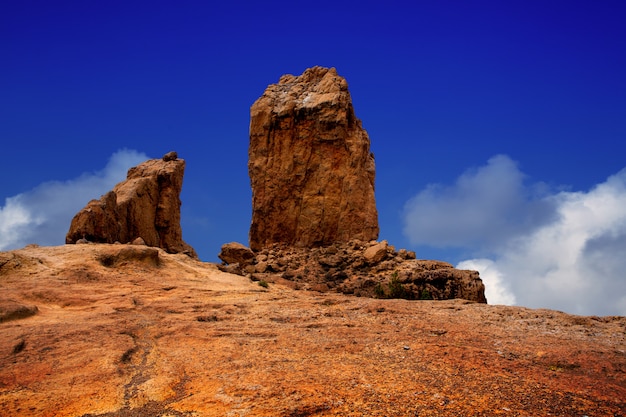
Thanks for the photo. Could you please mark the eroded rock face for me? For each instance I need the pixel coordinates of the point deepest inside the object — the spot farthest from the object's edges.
(146, 205)
(311, 169)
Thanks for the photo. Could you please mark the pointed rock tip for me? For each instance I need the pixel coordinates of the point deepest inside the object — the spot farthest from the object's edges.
(170, 156)
(314, 73)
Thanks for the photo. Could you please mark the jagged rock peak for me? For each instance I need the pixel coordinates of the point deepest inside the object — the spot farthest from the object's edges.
(146, 205)
(310, 165)
(317, 86)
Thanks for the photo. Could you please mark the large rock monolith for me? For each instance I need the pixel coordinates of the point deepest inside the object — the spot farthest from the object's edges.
(310, 164)
(146, 205)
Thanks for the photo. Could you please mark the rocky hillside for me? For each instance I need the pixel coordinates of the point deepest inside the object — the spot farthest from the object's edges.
(126, 330)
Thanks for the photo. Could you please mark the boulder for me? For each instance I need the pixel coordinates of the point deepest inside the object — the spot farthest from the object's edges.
(376, 253)
(170, 156)
(139, 241)
(146, 205)
(310, 165)
(236, 253)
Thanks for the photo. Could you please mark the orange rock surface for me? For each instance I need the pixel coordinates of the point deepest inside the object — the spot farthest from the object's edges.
(123, 330)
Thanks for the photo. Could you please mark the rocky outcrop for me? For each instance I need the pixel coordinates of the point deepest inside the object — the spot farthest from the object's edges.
(311, 169)
(373, 269)
(313, 207)
(145, 206)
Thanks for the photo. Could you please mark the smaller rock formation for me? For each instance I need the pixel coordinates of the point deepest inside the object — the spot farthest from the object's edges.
(145, 207)
(373, 269)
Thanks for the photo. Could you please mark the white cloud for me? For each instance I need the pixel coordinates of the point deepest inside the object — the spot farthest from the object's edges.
(14, 219)
(561, 250)
(484, 206)
(43, 215)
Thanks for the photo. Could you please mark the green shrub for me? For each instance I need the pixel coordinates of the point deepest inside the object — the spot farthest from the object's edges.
(393, 289)
(379, 291)
(426, 295)
(396, 289)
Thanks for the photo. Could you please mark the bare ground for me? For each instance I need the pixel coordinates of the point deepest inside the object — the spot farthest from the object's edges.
(86, 330)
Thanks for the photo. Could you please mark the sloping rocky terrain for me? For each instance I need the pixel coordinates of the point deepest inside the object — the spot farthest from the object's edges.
(126, 330)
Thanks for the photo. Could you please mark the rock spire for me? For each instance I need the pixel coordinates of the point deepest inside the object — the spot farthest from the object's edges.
(310, 164)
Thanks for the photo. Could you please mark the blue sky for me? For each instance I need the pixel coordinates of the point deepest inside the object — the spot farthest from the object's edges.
(498, 127)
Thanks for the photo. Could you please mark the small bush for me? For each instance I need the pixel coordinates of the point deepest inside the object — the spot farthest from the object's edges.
(396, 289)
(393, 289)
(426, 295)
(107, 260)
(379, 291)
(19, 347)
(128, 355)
(264, 284)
